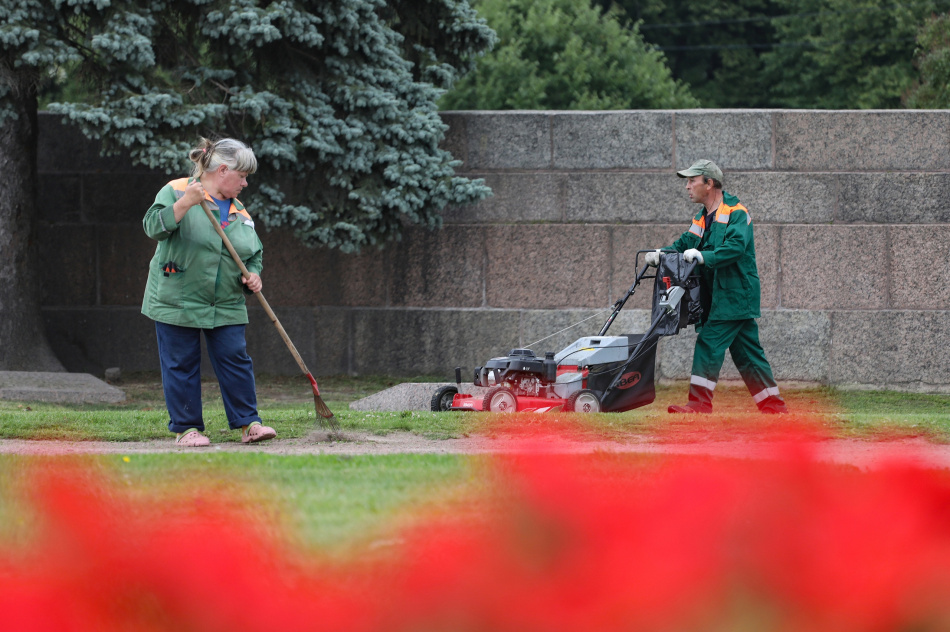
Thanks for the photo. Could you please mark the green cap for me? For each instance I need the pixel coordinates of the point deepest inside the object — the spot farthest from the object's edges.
(702, 168)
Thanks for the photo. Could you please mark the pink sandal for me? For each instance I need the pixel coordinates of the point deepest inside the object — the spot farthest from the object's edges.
(257, 432)
(192, 439)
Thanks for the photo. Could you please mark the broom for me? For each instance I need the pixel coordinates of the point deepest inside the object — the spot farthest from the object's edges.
(323, 412)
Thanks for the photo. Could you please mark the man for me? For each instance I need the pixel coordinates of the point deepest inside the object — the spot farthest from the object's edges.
(721, 242)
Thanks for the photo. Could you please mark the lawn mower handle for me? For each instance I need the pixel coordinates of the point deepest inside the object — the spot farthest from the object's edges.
(623, 299)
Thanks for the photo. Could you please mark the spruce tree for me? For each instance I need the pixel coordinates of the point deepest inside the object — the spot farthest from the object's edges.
(336, 97)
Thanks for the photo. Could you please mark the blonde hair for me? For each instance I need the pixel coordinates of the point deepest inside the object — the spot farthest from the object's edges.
(209, 155)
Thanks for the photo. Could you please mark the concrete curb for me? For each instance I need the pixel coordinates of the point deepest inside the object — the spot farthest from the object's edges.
(409, 396)
(65, 388)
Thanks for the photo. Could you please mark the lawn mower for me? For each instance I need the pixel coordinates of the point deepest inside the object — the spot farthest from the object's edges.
(595, 373)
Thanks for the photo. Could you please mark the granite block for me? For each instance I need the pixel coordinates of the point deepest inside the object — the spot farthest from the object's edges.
(834, 267)
(546, 267)
(60, 387)
(919, 267)
(890, 350)
(767, 257)
(125, 252)
(429, 342)
(797, 345)
(674, 357)
(319, 335)
(62, 147)
(58, 198)
(104, 201)
(411, 396)
(733, 139)
(894, 198)
(610, 140)
(516, 197)
(93, 339)
(90, 340)
(444, 268)
(300, 276)
(871, 140)
(267, 348)
(332, 341)
(626, 243)
(623, 197)
(552, 330)
(454, 140)
(67, 262)
(786, 198)
(508, 140)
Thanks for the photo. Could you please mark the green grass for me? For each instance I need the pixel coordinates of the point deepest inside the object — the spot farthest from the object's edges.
(284, 402)
(338, 504)
(320, 502)
(287, 404)
(882, 415)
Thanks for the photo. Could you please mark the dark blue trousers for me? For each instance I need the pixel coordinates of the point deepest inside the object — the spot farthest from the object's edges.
(179, 351)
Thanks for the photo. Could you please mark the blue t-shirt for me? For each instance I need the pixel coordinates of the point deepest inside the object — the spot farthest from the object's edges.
(224, 208)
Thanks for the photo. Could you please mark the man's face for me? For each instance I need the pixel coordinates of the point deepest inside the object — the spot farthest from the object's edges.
(697, 189)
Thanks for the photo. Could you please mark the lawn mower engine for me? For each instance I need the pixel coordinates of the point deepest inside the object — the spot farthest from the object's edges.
(521, 381)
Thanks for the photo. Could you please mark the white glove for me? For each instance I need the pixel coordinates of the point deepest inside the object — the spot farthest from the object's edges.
(653, 258)
(691, 254)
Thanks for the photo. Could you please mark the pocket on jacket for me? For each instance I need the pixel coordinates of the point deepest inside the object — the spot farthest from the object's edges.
(731, 282)
(170, 284)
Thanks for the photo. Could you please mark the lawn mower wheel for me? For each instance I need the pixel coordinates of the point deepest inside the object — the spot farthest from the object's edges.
(442, 399)
(582, 401)
(500, 399)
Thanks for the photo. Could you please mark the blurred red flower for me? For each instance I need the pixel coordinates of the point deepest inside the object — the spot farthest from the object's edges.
(568, 542)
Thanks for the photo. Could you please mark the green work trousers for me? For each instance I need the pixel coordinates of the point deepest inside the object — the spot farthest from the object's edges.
(741, 337)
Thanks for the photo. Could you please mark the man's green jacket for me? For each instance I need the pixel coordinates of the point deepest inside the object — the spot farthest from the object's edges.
(730, 279)
(192, 279)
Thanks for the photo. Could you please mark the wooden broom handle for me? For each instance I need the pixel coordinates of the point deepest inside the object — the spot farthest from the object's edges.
(216, 222)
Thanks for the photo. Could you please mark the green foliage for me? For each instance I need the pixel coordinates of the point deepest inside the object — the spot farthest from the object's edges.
(845, 53)
(828, 54)
(567, 55)
(337, 97)
(933, 62)
(716, 50)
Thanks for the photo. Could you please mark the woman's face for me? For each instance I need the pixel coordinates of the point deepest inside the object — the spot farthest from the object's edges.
(228, 182)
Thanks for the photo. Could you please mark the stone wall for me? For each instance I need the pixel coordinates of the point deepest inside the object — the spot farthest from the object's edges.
(852, 235)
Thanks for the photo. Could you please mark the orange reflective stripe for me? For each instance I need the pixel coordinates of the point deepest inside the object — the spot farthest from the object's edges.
(724, 213)
(239, 211)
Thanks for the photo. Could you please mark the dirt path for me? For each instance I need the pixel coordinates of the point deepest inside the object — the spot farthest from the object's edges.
(862, 454)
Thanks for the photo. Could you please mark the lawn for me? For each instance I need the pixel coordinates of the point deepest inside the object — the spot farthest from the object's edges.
(332, 501)
(325, 503)
(287, 404)
(471, 530)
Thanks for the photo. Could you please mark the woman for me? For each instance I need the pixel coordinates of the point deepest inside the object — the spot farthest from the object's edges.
(195, 287)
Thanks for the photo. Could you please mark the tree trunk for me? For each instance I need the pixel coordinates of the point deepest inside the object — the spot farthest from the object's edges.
(23, 344)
